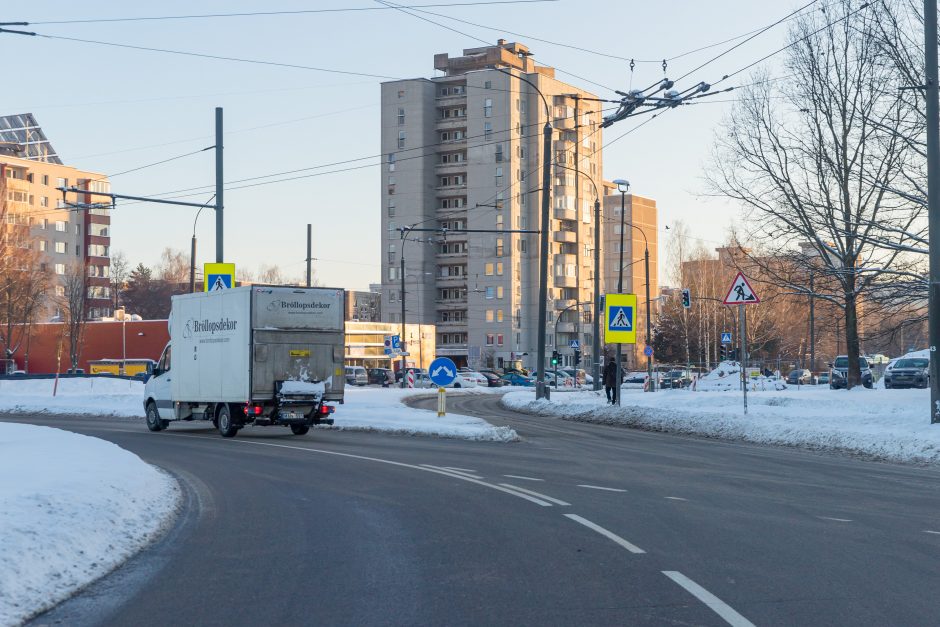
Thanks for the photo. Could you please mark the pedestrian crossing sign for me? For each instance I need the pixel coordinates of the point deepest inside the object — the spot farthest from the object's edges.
(218, 276)
(620, 313)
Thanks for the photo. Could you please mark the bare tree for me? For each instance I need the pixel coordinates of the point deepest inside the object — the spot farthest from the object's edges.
(812, 158)
(120, 273)
(174, 267)
(72, 302)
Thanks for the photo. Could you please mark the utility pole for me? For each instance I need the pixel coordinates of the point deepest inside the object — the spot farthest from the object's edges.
(812, 323)
(219, 205)
(933, 198)
(401, 339)
(623, 186)
(597, 295)
(309, 255)
(577, 211)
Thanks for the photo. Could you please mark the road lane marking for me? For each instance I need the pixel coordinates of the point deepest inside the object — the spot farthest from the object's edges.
(834, 519)
(597, 487)
(458, 469)
(451, 470)
(675, 498)
(445, 473)
(535, 494)
(936, 533)
(714, 603)
(607, 534)
(523, 478)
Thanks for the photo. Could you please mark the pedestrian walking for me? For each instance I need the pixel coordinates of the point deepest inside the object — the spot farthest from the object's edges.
(610, 379)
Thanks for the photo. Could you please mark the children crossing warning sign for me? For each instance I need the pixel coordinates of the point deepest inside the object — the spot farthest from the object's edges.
(741, 292)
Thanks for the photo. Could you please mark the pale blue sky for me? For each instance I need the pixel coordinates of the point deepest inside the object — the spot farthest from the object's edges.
(109, 109)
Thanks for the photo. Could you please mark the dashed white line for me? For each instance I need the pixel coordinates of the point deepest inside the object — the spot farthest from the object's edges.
(597, 487)
(523, 478)
(675, 498)
(459, 469)
(936, 533)
(834, 519)
(714, 603)
(452, 471)
(607, 534)
(535, 494)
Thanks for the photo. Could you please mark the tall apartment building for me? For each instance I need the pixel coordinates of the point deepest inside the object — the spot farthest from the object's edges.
(34, 211)
(641, 213)
(464, 153)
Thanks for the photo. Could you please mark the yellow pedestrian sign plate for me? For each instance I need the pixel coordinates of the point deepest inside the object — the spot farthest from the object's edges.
(620, 314)
(218, 276)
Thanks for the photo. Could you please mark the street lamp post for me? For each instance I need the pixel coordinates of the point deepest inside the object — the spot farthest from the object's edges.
(623, 186)
(192, 250)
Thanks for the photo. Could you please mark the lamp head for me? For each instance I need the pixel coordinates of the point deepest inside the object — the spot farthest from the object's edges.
(623, 185)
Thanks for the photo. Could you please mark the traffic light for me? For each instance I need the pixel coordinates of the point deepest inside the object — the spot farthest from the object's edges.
(555, 358)
(723, 353)
(686, 298)
(577, 356)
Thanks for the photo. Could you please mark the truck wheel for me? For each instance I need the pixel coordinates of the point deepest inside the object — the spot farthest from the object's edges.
(226, 425)
(300, 429)
(153, 418)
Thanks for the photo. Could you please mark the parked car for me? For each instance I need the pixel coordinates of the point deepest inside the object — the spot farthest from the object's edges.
(379, 376)
(822, 378)
(516, 378)
(839, 372)
(800, 376)
(908, 372)
(493, 379)
(476, 377)
(356, 375)
(675, 379)
(634, 377)
(580, 375)
(465, 380)
(550, 378)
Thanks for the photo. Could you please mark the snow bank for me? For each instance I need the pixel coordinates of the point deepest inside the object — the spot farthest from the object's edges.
(727, 377)
(366, 409)
(72, 508)
(883, 424)
(377, 409)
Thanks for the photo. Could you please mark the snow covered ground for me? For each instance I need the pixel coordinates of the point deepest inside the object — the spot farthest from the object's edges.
(72, 508)
(883, 424)
(366, 409)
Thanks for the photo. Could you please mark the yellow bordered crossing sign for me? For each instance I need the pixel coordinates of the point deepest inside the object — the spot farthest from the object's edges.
(620, 317)
(218, 276)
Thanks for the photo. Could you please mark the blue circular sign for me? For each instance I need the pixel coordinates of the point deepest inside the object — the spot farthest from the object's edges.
(443, 371)
(648, 351)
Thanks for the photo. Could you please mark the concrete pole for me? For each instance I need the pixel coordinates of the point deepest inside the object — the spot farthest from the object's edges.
(933, 198)
(543, 251)
(309, 255)
(596, 356)
(192, 266)
(219, 204)
(649, 315)
(618, 376)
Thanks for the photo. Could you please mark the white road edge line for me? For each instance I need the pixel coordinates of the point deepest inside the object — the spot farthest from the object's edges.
(675, 498)
(936, 533)
(523, 478)
(379, 460)
(450, 470)
(534, 493)
(597, 487)
(834, 519)
(607, 534)
(714, 603)
(459, 469)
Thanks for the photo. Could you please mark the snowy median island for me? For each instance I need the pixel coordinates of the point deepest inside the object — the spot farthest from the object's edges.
(72, 508)
(366, 409)
(891, 425)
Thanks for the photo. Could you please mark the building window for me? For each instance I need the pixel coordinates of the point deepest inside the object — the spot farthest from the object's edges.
(499, 222)
(488, 85)
(490, 293)
(499, 316)
(60, 247)
(43, 201)
(78, 229)
(499, 268)
(401, 117)
(487, 131)
(499, 291)
(499, 176)
(499, 153)
(59, 291)
(391, 162)
(445, 137)
(489, 339)
(401, 93)
(488, 269)
(42, 245)
(488, 108)
(61, 182)
(391, 207)
(499, 247)
(489, 315)
(401, 139)
(45, 179)
(61, 226)
(60, 268)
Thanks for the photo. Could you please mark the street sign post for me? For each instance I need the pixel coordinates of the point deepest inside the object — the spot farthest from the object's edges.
(741, 293)
(726, 337)
(443, 371)
(620, 314)
(574, 344)
(648, 351)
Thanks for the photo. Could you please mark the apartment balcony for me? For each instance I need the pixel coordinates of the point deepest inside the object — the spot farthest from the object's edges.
(451, 281)
(446, 124)
(565, 214)
(455, 235)
(451, 256)
(565, 237)
(459, 167)
(567, 123)
(444, 350)
(563, 259)
(565, 303)
(451, 304)
(565, 327)
(452, 190)
(452, 100)
(451, 326)
(565, 281)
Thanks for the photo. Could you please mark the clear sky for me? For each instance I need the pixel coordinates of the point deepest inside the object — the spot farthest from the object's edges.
(110, 109)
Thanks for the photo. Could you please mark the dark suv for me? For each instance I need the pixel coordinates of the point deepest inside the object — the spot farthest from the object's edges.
(908, 372)
(840, 368)
(800, 376)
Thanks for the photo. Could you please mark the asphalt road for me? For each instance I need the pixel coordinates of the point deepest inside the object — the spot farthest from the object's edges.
(577, 524)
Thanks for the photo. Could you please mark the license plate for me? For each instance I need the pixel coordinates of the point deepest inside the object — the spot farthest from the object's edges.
(289, 415)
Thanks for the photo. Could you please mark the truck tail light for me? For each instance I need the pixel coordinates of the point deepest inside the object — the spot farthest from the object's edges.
(253, 410)
(326, 410)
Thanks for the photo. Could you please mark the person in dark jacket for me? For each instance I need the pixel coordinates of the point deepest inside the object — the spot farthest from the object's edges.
(610, 379)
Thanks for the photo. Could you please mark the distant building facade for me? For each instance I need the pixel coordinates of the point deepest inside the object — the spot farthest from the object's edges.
(34, 212)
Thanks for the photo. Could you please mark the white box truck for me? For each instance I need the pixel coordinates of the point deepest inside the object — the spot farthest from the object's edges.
(251, 355)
